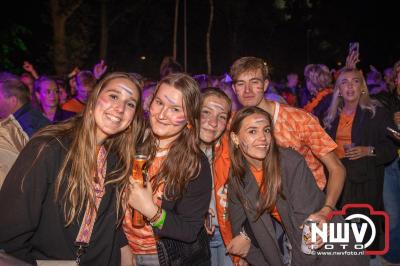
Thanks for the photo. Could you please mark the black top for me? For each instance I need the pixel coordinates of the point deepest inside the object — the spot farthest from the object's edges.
(62, 115)
(32, 225)
(185, 216)
(30, 119)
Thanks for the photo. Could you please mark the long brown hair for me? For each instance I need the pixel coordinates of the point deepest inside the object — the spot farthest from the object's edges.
(76, 172)
(183, 161)
(271, 185)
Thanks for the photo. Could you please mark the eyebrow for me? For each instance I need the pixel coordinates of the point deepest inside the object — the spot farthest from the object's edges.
(252, 79)
(118, 92)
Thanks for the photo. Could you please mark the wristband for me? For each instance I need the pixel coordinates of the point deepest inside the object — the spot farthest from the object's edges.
(329, 206)
(160, 222)
(156, 217)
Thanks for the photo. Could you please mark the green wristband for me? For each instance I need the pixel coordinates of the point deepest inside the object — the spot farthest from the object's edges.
(160, 222)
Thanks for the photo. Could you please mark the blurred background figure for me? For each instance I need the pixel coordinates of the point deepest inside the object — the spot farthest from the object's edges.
(319, 86)
(47, 92)
(85, 82)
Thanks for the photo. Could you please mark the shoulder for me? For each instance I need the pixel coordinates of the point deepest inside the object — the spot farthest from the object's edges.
(48, 145)
(295, 115)
(289, 157)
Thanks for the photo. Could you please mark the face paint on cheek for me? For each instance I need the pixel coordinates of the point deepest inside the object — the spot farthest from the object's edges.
(244, 145)
(178, 121)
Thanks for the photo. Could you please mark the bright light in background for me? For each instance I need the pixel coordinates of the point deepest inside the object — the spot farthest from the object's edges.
(143, 57)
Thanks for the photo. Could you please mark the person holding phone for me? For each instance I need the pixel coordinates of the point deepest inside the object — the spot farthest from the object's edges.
(353, 117)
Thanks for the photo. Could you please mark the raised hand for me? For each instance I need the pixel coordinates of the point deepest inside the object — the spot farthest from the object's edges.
(99, 69)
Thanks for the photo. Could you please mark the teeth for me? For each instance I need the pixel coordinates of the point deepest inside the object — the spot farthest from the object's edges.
(113, 118)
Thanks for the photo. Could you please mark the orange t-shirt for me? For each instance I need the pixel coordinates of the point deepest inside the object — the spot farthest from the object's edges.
(142, 240)
(73, 105)
(258, 174)
(295, 128)
(343, 133)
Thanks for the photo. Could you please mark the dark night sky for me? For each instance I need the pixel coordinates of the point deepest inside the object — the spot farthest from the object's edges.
(241, 28)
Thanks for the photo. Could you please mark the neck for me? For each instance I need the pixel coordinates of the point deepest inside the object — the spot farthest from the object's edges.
(267, 106)
(257, 164)
(204, 146)
(49, 110)
(165, 143)
(350, 107)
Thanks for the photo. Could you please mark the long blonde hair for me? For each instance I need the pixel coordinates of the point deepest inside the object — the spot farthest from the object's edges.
(76, 172)
(337, 103)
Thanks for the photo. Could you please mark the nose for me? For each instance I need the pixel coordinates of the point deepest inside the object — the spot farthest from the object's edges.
(212, 121)
(119, 107)
(247, 88)
(162, 114)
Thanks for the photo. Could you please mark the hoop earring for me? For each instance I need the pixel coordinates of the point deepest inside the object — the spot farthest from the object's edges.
(363, 92)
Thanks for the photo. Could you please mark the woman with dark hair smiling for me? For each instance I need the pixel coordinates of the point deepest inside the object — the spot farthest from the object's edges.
(271, 193)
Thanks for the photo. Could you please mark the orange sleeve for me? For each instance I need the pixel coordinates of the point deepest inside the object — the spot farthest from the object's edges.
(221, 173)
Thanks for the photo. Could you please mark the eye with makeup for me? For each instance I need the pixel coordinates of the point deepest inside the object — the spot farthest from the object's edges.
(223, 118)
(132, 104)
(158, 101)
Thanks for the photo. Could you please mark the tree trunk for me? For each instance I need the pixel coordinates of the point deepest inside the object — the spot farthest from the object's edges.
(60, 50)
(59, 18)
(103, 31)
(208, 37)
(174, 52)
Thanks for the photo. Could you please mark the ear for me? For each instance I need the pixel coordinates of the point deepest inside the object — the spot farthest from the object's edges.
(266, 83)
(233, 88)
(234, 139)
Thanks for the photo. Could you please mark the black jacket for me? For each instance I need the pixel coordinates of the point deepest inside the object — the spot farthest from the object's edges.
(32, 225)
(301, 198)
(364, 181)
(185, 216)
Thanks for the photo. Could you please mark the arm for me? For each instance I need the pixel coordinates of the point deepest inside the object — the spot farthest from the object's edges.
(28, 67)
(99, 69)
(322, 147)
(185, 219)
(337, 176)
(239, 245)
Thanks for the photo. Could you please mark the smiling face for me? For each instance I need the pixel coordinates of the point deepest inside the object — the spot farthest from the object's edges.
(249, 87)
(213, 119)
(115, 108)
(254, 138)
(167, 113)
(350, 87)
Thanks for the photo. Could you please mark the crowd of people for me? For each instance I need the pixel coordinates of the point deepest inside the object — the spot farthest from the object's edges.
(235, 165)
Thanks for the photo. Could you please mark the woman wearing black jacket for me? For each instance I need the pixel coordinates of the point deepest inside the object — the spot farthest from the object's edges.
(62, 198)
(358, 124)
(178, 193)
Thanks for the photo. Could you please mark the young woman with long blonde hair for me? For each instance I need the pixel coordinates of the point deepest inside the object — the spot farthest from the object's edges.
(62, 198)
